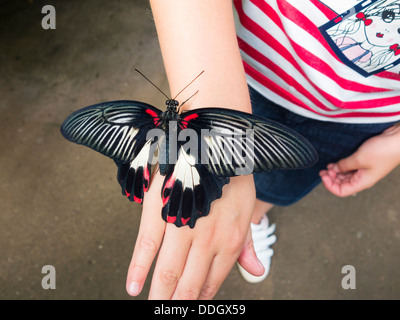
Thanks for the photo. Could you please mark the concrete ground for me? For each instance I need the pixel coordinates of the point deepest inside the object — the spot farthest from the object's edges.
(60, 203)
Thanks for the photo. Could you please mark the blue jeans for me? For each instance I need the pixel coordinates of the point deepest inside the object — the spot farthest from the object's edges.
(333, 141)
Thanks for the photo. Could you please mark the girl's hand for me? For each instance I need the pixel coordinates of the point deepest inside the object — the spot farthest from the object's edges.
(370, 163)
(193, 263)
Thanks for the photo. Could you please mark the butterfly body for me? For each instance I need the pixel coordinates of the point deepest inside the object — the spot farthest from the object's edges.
(171, 114)
(195, 176)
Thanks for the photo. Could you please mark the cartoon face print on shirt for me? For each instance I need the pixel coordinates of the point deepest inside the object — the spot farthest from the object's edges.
(384, 28)
(367, 37)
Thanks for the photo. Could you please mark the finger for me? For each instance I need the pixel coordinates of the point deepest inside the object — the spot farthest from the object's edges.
(323, 173)
(248, 259)
(348, 164)
(149, 238)
(347, 185)
(340, 176)
(333, 179)
(170, 262)
(345, 176)
(358, 182)
(219, 270)
(330, 185)
(334, 184)
(195, 273)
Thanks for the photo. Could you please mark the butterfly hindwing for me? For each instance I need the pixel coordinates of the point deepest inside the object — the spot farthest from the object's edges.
(197, 180)
(134, 177)
(188, 191)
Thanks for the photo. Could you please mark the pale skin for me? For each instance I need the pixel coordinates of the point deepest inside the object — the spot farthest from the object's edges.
(193, 263)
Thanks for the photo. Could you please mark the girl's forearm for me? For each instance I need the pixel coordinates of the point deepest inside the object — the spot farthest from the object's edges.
(200, 35)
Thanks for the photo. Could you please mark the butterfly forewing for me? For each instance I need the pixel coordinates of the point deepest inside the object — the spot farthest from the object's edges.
(117, 129)
(239, 140)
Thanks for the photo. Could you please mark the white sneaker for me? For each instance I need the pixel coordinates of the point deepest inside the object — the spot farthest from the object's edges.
(263, 238)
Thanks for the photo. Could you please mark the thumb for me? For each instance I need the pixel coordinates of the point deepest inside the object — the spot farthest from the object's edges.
(248, 259)
(348, 164)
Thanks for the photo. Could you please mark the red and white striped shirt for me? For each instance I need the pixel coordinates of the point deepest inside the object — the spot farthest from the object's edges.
(331, 60)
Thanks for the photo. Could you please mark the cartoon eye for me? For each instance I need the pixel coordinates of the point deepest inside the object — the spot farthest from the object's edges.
(388, 16)
(398, 30)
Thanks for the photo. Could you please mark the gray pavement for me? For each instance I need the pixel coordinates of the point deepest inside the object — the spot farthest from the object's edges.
(60, 203)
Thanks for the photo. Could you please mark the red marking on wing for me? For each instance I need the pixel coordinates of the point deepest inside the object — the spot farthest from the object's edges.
(165, 200)
(127, 193)
(171, 219)
(146, 176)
(184, 221)
(156, 119)
(152, 113)
(190, 117)
(136, 199)
(185, 120)
(170, 182)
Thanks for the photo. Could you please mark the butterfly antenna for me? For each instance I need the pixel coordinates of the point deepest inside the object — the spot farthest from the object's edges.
(189, 85)
(152, 83)
(179, 108)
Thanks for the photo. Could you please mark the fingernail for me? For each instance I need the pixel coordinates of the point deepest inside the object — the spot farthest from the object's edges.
(134, 288)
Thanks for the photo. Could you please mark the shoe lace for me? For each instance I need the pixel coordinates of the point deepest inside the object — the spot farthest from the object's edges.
(263, 238)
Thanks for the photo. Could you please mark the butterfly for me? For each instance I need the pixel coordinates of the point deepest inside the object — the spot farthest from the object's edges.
(223, 143)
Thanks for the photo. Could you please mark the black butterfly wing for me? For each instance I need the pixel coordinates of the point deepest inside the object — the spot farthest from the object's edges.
(134, 176)
(118, 129)
(188, 191)
(235, 143)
